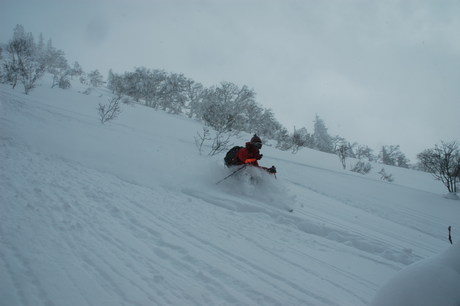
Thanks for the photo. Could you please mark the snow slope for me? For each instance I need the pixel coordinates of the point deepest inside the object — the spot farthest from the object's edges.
(128, 213)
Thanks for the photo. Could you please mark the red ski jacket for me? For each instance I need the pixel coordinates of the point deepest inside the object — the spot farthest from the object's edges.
(248, 155)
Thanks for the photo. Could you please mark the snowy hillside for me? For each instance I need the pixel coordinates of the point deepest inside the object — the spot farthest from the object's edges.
(128, 213)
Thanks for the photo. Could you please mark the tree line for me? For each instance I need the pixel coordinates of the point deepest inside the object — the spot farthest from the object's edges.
(25, 61)
(226, 107)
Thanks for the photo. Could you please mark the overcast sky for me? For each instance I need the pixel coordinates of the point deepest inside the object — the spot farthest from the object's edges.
(378, 72)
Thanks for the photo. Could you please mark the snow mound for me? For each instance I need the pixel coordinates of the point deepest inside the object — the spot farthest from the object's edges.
(429, 282)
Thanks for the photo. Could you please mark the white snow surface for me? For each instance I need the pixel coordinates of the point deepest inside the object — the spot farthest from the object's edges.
(129, 213)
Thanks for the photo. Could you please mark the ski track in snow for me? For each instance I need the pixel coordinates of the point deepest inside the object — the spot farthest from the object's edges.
(315, 224)
(361, 240)
(385, 243)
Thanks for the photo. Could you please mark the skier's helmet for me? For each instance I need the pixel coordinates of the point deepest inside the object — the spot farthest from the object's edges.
(256, 141)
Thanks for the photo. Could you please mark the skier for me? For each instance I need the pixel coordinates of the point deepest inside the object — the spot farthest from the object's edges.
(248, 155)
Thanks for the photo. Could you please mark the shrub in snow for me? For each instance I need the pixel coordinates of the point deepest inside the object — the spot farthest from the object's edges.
(218, 143)
(201, 138)
(342, 149)
(385, 176)
(109, 111)
(362, 167)
(433, 281)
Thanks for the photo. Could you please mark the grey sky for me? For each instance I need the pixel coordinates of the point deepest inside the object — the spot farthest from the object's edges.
(378, 72)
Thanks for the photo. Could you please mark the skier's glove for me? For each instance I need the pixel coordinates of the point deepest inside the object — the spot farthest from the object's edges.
(272, 170)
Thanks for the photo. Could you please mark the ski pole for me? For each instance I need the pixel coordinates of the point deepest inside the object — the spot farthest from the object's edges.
(231, 174)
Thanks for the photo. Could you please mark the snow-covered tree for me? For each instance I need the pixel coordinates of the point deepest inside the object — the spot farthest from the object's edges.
(41, 43)
(392, 156)
(172, 94)
(443, 162)
(147, 85)
(110, 77)
(364, 152)
(269, 127)
(194, 92)
(56, 64)
(222, 106)
(17, 48)
(321, 138)
(95, 78)
(300, 138)
(1, 68)
(76, 70)
(23, 63)
(342, 150)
